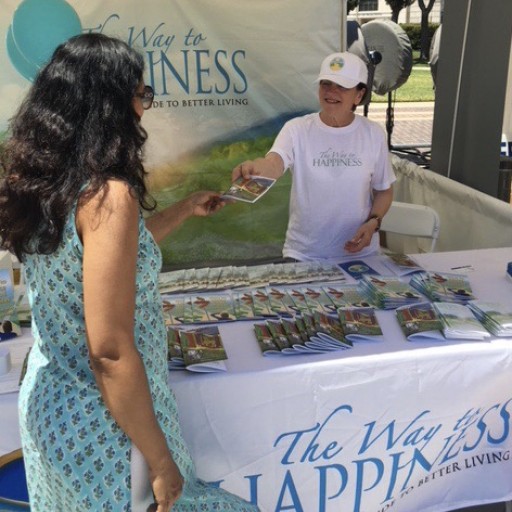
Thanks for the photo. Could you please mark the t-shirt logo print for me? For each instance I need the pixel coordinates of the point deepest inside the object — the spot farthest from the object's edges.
(336, 64)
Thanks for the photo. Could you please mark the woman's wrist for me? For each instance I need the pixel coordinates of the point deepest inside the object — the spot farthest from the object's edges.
(375, 220)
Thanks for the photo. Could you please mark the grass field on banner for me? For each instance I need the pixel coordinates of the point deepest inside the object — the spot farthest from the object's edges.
(241, 231)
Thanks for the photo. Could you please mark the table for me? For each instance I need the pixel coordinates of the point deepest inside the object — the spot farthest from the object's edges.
(386, 426)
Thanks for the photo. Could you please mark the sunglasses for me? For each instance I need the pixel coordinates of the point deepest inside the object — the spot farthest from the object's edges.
(146, 97)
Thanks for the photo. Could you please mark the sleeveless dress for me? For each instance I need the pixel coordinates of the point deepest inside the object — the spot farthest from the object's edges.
(76, 456)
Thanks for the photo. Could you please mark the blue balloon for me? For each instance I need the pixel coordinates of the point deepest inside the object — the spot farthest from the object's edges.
(39, 26)
(22, 65)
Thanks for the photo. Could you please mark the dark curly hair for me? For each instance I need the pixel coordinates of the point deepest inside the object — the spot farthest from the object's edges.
(76, 127)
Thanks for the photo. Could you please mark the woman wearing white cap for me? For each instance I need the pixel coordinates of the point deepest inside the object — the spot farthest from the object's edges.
(342, 176)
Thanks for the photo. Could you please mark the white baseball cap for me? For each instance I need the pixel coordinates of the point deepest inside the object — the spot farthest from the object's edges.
(345, 69)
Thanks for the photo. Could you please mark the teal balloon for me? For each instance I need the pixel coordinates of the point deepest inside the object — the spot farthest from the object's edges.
(23, 66)
(39, 26)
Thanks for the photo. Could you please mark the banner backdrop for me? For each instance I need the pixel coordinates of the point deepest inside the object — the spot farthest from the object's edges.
(227, 75)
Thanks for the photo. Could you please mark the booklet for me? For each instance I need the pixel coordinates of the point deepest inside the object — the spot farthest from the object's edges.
(346, 295)
(243, 305)
(10, 325)
(197, 350)
(209, 308)
(281, 302)
(360, 324)
(496, 318)
(248, 190)
(329, 328)
(310, 334)
(357, 269)
(420, 322)
(401, 264)
(169, 282)
(265, 340)
(459, 322)
(389, 292)
(443, 287)
(173, 307)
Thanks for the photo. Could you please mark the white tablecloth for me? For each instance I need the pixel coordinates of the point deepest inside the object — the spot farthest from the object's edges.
(390, 425)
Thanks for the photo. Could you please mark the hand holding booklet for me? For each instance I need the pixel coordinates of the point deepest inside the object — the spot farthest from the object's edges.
(248, 190)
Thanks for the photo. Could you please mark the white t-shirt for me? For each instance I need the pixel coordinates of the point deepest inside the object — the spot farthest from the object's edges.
(334, 171)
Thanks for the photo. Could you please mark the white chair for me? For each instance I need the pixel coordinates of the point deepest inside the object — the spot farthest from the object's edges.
(412, 220)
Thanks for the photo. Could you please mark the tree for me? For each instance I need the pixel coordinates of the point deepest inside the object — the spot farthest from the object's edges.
(424, 34)
(397, 6)
(351, 5)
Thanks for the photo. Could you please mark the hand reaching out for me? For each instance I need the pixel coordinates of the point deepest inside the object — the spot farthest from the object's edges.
(205, 203)
(246, 169)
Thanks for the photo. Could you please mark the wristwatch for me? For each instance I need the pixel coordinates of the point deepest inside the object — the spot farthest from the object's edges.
(377, 218)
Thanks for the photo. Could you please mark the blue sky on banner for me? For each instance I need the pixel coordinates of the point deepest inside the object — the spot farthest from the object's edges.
(218, 68)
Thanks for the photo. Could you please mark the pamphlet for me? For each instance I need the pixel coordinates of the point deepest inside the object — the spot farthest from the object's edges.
(248, 190)
(389, 292)
(347, 295)
(496, 318)
(459, 322)
(209, 308)
(360, 324)
(357, 269)
(198, 350)
(420, 322)
(443, 287)
(309, 334)
(401, 264)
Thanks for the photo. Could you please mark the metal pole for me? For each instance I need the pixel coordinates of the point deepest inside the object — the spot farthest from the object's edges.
(457, 96)
(343, 27)
(390, 119)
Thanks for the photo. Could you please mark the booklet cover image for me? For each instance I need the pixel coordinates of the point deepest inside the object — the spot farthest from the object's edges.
(248, 190)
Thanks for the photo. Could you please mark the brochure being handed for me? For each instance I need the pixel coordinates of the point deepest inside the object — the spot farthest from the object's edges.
(248, 190)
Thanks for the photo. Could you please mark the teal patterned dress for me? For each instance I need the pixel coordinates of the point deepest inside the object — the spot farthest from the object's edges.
(77, 458)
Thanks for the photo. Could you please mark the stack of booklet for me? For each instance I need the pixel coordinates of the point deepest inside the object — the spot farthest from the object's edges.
(389, 292)
(251, 304)
(496, 318)
(317, 332)
(348, 295)
(197, 350)
(197, 308)
(440, 321)
(443, 287)
(229, 277)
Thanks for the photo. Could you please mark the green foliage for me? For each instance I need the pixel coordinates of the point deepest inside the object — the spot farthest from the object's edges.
(351, 5)
(397, 6)
(413, 30)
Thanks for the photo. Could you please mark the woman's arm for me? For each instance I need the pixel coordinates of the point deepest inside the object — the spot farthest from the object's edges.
(108, 226)
(271, 166)
(166, 221)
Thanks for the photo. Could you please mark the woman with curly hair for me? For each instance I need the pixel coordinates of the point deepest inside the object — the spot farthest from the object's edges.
(95, 404)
